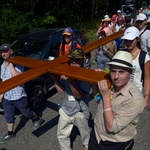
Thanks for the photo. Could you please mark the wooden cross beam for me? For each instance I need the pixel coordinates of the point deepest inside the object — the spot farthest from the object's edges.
(57, 66)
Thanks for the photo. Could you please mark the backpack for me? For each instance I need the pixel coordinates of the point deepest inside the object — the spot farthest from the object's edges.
(74, 45)
(141, 63)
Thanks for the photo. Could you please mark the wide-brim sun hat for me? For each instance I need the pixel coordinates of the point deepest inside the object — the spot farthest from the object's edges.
(106, 19)
(131, 33)
(122, 59)
(106, 16)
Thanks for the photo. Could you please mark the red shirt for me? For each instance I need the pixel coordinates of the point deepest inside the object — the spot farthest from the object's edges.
(67, 48)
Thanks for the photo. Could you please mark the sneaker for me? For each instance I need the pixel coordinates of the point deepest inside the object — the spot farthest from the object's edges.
(6, 138)
(38, 123)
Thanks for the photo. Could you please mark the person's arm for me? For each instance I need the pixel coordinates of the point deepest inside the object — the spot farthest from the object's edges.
(14, 72)
(74, 88)
(107, 110)
(56, 80)
(146, 82)
(99, 29)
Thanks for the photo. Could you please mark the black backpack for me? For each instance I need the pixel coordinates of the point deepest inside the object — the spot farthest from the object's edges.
(141, 62)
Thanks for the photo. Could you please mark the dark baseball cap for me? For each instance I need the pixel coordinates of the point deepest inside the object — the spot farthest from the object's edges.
(76, 53)
(5, 46)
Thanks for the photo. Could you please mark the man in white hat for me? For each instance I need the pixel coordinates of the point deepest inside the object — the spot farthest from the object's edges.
(141, 22)
(119, 110)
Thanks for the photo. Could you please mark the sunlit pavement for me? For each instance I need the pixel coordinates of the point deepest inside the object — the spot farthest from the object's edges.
(45, 137)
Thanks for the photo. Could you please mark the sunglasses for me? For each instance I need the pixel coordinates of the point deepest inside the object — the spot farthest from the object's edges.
(67, 36)
(75, 61)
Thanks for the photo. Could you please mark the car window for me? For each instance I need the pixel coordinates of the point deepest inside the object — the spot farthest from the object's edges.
(54, 48)
(30, 48)
(54, 51)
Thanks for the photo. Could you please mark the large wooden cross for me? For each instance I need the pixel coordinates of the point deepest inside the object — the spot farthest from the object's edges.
(57, 66)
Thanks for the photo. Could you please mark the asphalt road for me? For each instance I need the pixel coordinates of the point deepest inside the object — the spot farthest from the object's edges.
(45, 137)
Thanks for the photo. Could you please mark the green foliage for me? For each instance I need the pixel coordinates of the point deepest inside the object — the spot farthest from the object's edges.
(19, 16)
(91, 29)
(15, 22)
(48, 19)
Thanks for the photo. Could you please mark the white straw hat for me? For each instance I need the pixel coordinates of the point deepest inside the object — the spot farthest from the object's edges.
(106, 16)
(123, 59)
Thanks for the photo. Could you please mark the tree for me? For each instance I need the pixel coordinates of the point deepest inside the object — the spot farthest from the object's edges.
(19, 16)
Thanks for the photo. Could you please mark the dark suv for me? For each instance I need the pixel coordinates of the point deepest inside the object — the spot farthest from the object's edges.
(43, 44)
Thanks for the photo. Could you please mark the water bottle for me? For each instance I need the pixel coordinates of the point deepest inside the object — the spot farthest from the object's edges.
(98, 97)
(59, 106)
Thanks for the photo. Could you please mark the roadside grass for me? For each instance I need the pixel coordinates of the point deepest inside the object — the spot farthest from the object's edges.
(91, 29)
(91, 34)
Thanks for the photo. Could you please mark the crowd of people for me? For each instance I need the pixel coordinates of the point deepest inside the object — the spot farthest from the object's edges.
(119, 107)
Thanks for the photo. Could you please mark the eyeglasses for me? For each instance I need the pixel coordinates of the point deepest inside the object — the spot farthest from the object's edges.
(76, 61)
(4, 51)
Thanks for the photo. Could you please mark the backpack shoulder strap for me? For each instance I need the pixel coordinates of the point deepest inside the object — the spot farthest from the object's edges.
(141, 62)
(74, 45)
(143, 31)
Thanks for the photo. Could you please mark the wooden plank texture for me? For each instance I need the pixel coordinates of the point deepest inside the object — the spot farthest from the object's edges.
(57, 66)
(27, 62)
(82, 74)
(21, 78)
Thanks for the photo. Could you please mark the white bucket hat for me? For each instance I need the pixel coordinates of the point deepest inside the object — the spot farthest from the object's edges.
(123, 59)
(131, 33)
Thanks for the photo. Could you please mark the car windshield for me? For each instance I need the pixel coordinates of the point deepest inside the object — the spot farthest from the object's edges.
(29, 48)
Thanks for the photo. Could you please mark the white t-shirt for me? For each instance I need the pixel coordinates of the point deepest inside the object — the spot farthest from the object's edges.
(137, 72)
(145, 40)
